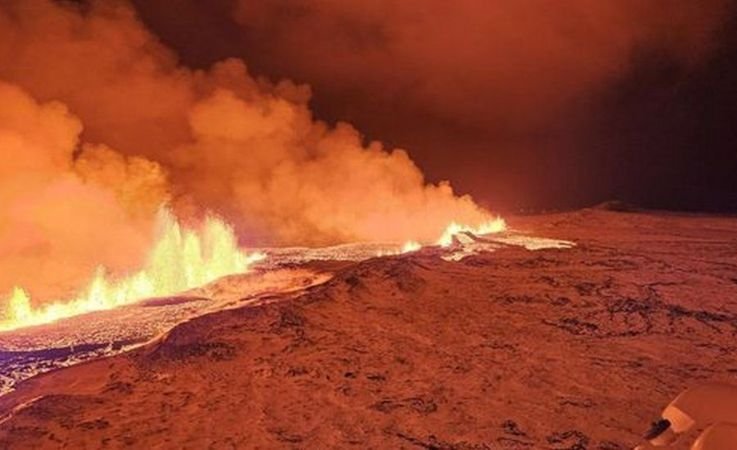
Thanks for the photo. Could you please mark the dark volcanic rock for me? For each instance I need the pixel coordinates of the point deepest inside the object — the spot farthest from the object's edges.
(561, 349)
(617, 206)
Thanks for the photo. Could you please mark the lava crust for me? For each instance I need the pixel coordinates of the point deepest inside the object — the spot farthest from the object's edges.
(575, 348)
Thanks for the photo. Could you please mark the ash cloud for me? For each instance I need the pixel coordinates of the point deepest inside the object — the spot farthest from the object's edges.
(504, 64)
(101, 121)
(496, 95)
(101, 124)
(57, 223)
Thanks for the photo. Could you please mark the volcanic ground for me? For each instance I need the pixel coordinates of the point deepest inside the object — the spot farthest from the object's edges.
(556, 348)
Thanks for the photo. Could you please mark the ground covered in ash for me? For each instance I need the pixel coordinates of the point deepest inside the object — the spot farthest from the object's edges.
(575, 348)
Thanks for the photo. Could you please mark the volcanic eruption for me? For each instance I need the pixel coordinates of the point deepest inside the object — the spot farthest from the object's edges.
(91, 158)
(229, 224)
(180, 260)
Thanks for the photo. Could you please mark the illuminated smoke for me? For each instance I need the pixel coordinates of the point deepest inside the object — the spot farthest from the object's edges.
(504, 66)
(55, 227)
(245, 148)
(99, 126)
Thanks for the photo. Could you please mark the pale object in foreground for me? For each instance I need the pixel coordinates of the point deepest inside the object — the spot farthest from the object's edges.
(711, 405)
(720, 436)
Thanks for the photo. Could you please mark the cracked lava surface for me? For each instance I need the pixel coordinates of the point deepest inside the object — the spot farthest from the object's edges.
(556, 348)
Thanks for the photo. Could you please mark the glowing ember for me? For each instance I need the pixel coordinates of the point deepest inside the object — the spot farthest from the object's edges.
(492, 226)
(181, 259)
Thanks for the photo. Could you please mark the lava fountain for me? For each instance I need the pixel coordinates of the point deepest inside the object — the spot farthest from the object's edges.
(496, 225)
(181, 259)
(491, 226)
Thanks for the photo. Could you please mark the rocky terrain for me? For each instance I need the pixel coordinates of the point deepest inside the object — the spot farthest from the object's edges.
(559, 348)
(29, 351)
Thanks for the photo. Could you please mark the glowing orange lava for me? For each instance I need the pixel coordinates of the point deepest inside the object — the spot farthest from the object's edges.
(181, 259)
(496, 225)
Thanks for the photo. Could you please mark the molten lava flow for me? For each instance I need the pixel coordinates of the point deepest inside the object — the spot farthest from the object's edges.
(492, 226)
(181, 259)
(496, 225)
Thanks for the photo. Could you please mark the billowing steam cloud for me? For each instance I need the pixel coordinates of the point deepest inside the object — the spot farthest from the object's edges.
(99, 125)
(497, 94)
(503, 64)
(56, 221)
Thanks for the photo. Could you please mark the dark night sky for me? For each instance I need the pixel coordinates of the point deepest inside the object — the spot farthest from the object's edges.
(630, 111)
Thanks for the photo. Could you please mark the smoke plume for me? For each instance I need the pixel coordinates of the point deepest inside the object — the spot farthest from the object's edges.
(495, 95)
(56, 224)
(503, 64)
(100, 122)
(99, 125)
